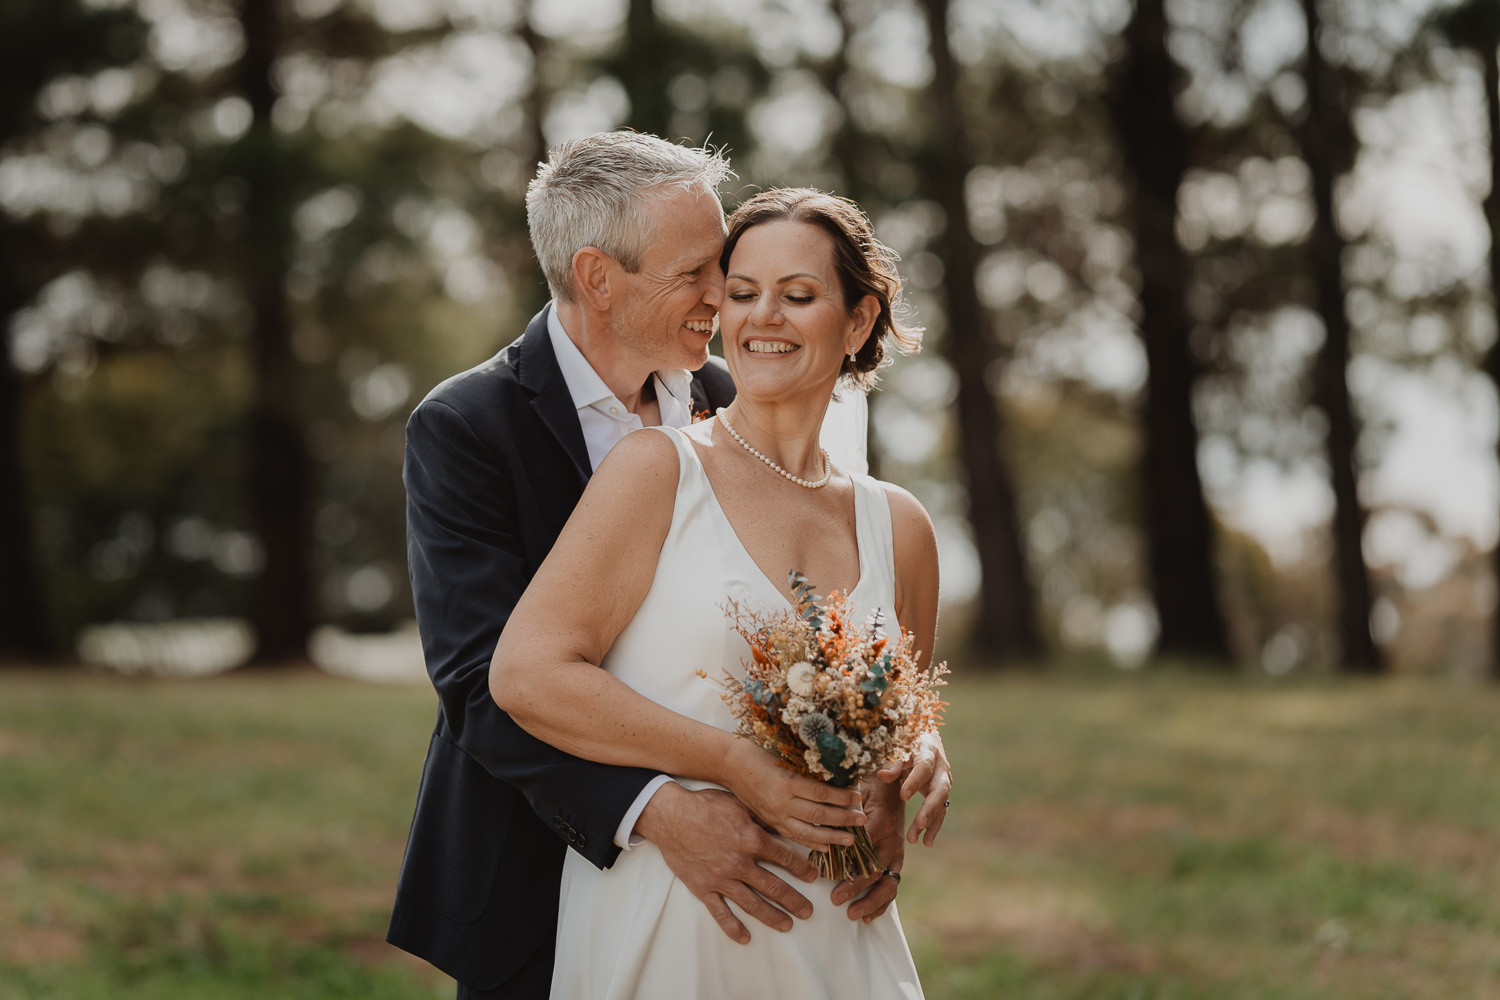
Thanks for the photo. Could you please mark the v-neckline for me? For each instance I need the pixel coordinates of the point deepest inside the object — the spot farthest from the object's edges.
(859, 549)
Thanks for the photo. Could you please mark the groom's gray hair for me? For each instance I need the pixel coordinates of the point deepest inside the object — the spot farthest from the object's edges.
(597, 192)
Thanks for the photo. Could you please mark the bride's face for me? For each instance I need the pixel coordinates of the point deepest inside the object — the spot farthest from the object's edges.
(784, 324)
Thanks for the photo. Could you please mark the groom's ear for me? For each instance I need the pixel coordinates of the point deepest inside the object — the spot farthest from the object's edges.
(592, 274)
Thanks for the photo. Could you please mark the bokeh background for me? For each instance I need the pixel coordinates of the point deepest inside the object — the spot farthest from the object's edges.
(1207, 419)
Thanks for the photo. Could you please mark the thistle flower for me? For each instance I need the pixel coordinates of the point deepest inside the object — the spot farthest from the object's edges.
(813, 725)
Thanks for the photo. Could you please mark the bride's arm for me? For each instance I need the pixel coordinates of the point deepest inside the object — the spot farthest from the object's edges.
(545, 671)
(917, 608)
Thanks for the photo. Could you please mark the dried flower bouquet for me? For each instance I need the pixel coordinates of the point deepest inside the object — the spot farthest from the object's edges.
(832, 698)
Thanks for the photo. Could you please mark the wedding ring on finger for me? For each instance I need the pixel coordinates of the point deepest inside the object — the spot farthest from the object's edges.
(893, 874)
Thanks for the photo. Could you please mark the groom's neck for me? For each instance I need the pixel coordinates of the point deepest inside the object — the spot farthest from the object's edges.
(627, 375)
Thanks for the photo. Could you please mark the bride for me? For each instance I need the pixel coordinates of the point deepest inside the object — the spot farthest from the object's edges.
(675, 524)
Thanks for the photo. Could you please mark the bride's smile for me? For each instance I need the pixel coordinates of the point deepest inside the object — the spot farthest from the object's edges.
(762, 346)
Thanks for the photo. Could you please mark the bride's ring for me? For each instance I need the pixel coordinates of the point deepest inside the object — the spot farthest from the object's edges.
(893, 874)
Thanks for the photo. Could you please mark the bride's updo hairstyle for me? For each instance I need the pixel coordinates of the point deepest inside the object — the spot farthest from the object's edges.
(864, 265)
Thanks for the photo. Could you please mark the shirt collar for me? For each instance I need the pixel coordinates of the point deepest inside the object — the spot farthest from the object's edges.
(678, 382)
(585, 385)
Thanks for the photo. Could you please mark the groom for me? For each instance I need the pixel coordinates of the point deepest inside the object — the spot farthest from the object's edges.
(628, 230)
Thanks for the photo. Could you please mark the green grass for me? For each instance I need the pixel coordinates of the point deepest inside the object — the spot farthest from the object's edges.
(1157, 837)
(233, 837)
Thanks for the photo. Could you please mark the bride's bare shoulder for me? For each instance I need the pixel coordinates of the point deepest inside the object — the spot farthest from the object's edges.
(907, 512)
(911, 528)
(642, 460)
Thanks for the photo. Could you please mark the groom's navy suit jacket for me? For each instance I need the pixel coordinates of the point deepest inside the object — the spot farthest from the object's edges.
(495, 463)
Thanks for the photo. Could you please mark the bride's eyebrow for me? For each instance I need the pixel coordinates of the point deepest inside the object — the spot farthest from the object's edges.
(779, 281)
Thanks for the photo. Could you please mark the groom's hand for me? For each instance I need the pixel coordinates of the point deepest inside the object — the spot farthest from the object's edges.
(714, 846)
(886, 812)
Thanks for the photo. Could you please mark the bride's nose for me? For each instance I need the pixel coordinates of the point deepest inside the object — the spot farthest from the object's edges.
(766, 311)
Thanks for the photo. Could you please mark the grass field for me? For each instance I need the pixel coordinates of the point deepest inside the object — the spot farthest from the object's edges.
(1113, 837)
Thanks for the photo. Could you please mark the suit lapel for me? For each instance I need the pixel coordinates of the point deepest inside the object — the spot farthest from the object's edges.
(699, 394)
(538, 371)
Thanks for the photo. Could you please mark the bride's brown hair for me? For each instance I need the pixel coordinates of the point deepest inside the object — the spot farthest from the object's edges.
(864, 265)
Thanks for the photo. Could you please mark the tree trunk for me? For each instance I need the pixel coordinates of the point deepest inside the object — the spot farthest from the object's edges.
(643, 70)
(1487, 54)
(1006, 626)
(531, 289)
(535, 102)
(1180, 537)
(23, 623)
(279, 471)
(850, 148)
(1324, 127)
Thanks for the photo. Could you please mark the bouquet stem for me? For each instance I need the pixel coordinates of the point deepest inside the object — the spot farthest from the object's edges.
(840, 862)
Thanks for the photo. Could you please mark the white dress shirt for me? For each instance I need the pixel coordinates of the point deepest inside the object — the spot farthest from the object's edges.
(605, 422)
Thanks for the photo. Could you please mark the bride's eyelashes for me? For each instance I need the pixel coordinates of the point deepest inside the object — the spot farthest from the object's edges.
(800, 298)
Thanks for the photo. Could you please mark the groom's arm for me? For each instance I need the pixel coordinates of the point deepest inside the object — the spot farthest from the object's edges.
(468, 563)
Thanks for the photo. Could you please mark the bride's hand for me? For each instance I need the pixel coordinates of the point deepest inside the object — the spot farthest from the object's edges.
(927, 772)
(801, 809)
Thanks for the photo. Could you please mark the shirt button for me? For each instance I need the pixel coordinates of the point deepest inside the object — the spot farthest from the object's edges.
(614, 411)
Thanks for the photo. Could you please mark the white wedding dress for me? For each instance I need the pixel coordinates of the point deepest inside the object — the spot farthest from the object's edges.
(634, 931)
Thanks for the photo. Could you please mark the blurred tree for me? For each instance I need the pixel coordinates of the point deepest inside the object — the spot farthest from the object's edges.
(850, 145)
(534, 104)
(687, 79)
(1156, 147)
(1328, 146)
(352, 237)
(510, 211)
(356, 222)
(1475, 25)
(23, 625)
(40, 41)
(1005, 624)
(279, 475)
(851, 150)
(864, 158)
(644, 66)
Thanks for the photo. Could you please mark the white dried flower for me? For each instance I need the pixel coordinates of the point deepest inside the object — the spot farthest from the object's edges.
(800, 678)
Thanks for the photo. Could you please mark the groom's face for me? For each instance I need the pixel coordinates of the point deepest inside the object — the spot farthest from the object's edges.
(668, 309)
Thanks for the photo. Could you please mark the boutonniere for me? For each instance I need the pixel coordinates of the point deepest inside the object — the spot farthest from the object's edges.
(699, 415)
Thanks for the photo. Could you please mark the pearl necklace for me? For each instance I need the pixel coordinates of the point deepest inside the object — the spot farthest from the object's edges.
(807, 483)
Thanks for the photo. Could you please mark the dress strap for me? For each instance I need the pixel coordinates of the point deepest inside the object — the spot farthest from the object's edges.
(875, 537)
(690, 474)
